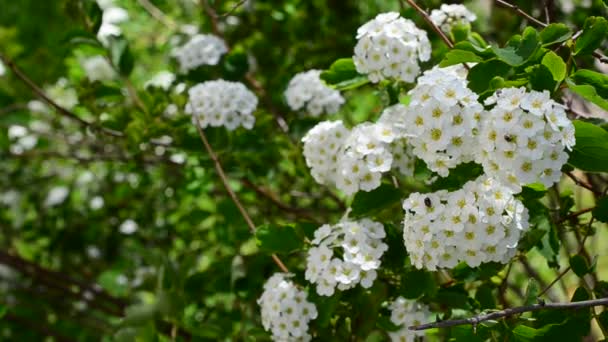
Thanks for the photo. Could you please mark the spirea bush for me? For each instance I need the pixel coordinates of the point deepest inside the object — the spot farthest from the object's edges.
(408, 170)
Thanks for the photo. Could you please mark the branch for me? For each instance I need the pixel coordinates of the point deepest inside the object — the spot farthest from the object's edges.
(583, 184)
(225, 182)
(576, 214)
(513, 311)
(157, 14)
(427, 18)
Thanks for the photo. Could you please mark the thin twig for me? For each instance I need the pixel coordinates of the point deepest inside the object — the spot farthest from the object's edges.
(157, 14)
(226, 183)
(513, 311)
(234, 8)
(560, 276)
(427, 18)
(583, 184)
(576, 214)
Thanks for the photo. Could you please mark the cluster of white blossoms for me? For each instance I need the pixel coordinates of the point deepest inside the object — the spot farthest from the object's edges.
(307, 90)
(479, 223)
(391, 47)
(201, 49)
(97, 68)
(441, 121)
(353, 160)
(285, 310)
(63, 94)
(365, 156)
(361, 247)
(406, 313)
(222, 103)
(448, 16)
(322, 145)
(523, 137)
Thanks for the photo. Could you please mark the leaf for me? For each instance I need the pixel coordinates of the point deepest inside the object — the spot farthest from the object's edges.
(485, 296)
(341, 70)
(95, 15)
(588, 92)
(532, 291)
(601, 210)
(594, 32)
(556, 65)
(554, 33)
(598, 80)
(417, 283)
(579, 265)
(541, 78)
(591, 150)
(236, 64)
(278, 239)
(518, 51)
(121, 55)
(481, 74)
(383, 197)
(459, 56)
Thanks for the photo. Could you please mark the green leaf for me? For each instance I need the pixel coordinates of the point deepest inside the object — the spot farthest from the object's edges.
(95, 15)
(555, 33)
(417, 283)
(341, 70)
(459, 56)
(367, 203)
(236, 64)
(278, 239)
(121, 55)
(594, 32)
(588, 92)
(579, 265)
(598, 80)
(556, 65)
(519, 49)
(601, 210)
(485, 296)
(591, 150)
(541, 78)
(481, 74)
(532, 291)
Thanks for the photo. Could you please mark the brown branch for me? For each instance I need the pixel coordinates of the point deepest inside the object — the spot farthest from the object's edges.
(576, 214)
(513, 311)
(427, 18)
(234, 8)
(226, 183)
(583, 184)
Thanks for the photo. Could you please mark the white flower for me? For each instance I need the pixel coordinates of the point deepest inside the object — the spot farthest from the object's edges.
(64, 95)
(361, 249)
(163, 80)
(406, 313)
(448, 16)
(97, 68)
(56, 196)
(201, 49)
(222, 103)
(470, 225)
(307, 91)
(2, 69)
(284, 309)
(390, 47)
(523, 138)
(128, 227)
(96, 203)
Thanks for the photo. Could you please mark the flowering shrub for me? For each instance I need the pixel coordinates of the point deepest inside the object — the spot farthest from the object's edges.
(446, 181)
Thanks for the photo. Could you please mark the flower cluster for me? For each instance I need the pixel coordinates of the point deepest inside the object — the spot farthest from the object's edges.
(322, 145)
(306, 89)
(222, 103)
(62, 94)
(523, 137)
(285, 310)
(481, 222)
(201, 49)
(364, 157)
(361, 247)
(441, 120)
(406, 313)
(448, 16)
(390, 46)
(97, 68)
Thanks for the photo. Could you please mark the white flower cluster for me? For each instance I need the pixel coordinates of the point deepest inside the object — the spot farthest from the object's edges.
(306, 89)
(441, 120)
(361, 249)
(406, 313)
(365, 156)
(390, 46)
(522, 139)
(97, 68)
(222, 103)
(481, 222)
(448, 16)
(63, 94)
(354, 160)
(285, 310)
(201, 49)
(322, 145)
(163, 80)
(112, 16)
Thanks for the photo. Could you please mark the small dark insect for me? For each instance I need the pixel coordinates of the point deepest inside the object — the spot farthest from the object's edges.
(509, 138)
(427, 202)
